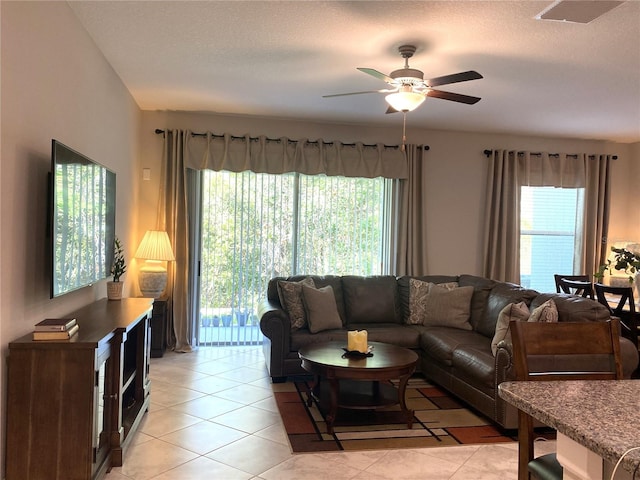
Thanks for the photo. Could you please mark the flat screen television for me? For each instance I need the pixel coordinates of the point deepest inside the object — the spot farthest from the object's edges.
(83, 207)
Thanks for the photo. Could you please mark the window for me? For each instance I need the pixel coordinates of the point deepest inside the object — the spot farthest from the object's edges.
(549, 227)
(256, 226)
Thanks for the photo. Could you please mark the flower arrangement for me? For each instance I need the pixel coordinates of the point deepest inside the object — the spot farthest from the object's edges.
(118, 267)
(624, 261)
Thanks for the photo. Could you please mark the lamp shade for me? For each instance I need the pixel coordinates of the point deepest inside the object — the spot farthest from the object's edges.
(405, 101)
(155, 245)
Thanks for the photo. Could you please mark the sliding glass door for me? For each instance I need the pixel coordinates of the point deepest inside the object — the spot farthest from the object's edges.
(252, 227)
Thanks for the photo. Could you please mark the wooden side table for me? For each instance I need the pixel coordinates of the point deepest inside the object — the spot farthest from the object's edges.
(159, 326)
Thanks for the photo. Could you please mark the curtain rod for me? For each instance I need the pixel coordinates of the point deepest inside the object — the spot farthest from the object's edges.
(489, 152)
(255, 139)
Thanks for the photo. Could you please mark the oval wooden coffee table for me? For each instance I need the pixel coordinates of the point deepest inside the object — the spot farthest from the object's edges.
(326, 360)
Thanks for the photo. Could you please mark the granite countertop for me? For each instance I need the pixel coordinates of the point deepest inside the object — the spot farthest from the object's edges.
(602, 415)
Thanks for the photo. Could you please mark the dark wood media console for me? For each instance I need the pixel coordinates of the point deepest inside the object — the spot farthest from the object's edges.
(72, 405)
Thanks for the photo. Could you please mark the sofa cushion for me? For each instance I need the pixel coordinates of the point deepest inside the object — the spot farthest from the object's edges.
(514, 311)
(371, 299)
(400, 335)
(482, 287)
(475, 364)
(572, 308)
(404, 292)
(440, 342)
(443, 307)
(320, 306)
(303, 337)
(290, 294)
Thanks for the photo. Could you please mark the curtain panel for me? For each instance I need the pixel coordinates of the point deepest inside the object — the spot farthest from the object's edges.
(410, 220)
(277, 156)
(510, 170)
(173, 217)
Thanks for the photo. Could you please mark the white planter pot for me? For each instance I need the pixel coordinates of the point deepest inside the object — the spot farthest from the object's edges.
(114, 290)
(619, 281)
(623, 281)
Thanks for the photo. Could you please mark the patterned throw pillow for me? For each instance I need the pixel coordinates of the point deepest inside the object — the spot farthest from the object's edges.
(547, 312)
(418, 291)
(513, 311)
(290, 294)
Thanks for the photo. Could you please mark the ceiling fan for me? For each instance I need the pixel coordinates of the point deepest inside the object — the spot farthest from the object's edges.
(408, 89)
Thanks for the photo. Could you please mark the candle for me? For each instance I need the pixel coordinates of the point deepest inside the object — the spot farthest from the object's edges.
(357, 341)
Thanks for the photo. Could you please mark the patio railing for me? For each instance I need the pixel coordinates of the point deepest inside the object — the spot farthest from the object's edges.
(226, 326)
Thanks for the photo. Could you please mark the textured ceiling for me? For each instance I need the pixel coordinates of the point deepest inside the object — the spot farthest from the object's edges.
(277, 58)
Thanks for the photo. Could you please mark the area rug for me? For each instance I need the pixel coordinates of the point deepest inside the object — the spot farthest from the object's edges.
(439, 420)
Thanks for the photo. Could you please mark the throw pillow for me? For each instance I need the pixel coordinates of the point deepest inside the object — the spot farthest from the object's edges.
(448, 308)
(418, 291)
(290, 294)
(547, 312)
(321, 308)
(513, 311)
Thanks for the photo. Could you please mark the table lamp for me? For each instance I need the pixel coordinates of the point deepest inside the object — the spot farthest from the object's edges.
(155, 249)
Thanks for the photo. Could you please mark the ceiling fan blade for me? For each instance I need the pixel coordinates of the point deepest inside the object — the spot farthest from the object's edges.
(384, 90)
(377, 74)
(390, 109)
(454, 97)
(453, 78)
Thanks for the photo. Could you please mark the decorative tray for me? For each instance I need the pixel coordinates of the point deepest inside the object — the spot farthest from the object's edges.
(357, 354)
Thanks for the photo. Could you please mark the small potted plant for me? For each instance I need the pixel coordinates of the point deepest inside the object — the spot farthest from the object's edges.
(118, 267)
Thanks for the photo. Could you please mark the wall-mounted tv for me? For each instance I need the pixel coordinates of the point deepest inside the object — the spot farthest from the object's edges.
(83, 213)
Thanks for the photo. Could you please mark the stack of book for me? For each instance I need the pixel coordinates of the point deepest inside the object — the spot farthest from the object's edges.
(56, 329)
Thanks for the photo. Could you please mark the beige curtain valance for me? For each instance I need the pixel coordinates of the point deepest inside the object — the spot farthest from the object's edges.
(552, 170)
(277, 156)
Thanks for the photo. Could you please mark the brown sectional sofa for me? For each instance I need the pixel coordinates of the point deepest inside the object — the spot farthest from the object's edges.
(460, 361)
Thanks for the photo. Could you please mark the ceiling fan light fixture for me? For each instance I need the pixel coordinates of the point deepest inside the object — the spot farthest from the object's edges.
(405, 101)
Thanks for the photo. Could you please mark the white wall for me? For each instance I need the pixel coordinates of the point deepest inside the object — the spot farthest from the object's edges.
(456, 166)
(55, 84)
(628, 219)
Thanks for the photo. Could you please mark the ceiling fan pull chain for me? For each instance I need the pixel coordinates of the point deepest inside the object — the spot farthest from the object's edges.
(404, 128)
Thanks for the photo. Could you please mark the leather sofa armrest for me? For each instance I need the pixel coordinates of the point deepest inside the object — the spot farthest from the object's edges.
(274, 321)
(505, 369)
(504, 363)
(276, 327)
(505, 414)
(629, 354)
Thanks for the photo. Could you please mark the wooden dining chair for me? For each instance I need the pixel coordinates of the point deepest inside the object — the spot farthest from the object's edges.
(580, 278)
(621, 304)
(583, 288)
(543, 351)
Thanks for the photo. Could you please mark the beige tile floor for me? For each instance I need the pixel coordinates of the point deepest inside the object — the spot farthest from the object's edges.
(213, 416)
